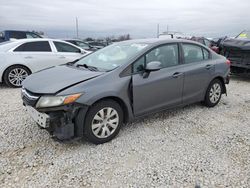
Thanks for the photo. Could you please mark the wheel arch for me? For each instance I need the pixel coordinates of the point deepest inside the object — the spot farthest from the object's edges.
(120, 102)
(13, 66)
(223, 83)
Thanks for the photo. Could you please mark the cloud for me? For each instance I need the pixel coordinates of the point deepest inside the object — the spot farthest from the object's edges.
(137, 17)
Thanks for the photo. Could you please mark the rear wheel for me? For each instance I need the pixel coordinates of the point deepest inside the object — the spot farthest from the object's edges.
(15, 75)
(103, 121)
(213, 93)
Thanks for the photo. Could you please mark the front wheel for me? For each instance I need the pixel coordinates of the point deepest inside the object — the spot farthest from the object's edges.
(213, 93)
(103, 121)
(15, 75)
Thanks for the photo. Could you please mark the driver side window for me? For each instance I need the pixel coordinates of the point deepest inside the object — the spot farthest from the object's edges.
(138, 66)
(167, 55)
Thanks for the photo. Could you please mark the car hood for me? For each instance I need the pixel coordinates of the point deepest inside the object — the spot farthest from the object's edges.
(56, 79)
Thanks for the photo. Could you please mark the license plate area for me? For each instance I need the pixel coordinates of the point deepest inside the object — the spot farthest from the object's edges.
(41, 119)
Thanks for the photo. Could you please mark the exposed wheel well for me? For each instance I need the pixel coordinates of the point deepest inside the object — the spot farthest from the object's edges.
(121, 103)
(13, 66)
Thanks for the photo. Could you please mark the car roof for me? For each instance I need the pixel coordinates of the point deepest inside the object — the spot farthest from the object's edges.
(14, 43)
(18, 41)
(157, 41)
(18, 31)
(35, 39)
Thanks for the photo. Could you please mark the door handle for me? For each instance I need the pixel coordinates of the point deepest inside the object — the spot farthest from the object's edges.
(209, 66)
(177, 74)
(28, 57)
(62, 57)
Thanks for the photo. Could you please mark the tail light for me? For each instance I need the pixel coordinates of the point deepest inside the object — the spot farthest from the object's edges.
(228, 62)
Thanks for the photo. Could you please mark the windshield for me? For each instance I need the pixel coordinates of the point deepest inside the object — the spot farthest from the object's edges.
(244, 35)
(111, 56)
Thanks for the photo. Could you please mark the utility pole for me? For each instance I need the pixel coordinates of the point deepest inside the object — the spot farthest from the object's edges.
(158, 30)
(77, 28)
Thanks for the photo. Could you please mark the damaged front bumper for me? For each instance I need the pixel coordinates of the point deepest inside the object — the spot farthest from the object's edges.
(59, 121)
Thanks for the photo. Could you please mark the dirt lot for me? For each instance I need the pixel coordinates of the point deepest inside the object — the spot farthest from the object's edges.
(184, 147)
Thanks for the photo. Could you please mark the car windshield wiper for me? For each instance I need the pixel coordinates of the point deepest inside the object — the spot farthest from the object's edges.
(91, 68)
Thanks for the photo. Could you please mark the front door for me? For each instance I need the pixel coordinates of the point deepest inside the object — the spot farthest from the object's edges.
(67, 53)
(160, 89)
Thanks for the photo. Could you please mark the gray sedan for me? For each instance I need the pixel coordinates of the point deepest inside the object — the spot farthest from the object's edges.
(95, 96)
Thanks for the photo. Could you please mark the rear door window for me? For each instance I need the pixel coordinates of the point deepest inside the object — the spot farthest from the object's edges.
(63, 47)
(41, 46)
(205, 54)
(192, 53)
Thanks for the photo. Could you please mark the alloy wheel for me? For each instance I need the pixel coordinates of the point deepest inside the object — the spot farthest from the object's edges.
(215, 93)
(105, 122)
(17, 76)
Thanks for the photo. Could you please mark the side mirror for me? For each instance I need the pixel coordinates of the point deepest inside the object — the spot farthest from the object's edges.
(153, 66)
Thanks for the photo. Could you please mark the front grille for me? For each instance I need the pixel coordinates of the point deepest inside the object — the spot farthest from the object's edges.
(29, 98)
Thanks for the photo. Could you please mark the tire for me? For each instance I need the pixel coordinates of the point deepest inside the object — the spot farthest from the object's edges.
(15, 75)
(213, 93)
(98, 126)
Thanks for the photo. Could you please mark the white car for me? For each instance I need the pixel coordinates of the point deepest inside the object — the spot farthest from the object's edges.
(20, 58)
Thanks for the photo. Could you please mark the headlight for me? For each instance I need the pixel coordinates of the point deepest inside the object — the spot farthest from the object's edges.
(51, 101)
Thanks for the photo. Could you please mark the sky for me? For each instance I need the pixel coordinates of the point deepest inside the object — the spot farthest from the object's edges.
(139, 18)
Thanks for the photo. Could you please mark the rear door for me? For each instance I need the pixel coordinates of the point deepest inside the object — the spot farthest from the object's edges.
(198, 69)
(37, 55)
(160, 89)
(66, 52)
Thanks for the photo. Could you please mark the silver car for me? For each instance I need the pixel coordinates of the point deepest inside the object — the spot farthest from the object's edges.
(96, 95)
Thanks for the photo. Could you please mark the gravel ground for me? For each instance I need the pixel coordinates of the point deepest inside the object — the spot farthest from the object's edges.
(187, 147)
